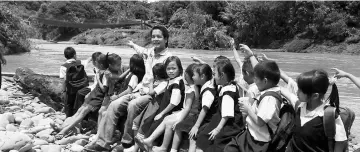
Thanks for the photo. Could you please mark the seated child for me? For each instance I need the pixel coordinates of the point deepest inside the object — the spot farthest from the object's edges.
(206, 107)
(261, 115)
(171, 101)
(227, 122)
(169, 121)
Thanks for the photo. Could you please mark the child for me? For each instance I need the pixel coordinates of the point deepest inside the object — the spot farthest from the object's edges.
(196, 121)
(3, 62)
(96, 97)
(341, 74)
(262, 115)
(70, 55)
(309, 134)
(172, 98)
(82, 93)
(156, 91)
(167, 124)
(94, 100)
(227, 122)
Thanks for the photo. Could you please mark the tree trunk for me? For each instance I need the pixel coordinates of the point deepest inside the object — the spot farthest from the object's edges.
(44, 85)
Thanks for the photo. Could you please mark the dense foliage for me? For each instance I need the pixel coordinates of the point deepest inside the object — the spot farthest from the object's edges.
(208, 25)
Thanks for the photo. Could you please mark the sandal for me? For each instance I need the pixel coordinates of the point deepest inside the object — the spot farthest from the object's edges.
(140, 143)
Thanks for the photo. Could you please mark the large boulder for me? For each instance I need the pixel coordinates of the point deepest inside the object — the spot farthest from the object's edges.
(14, 141)
(48, 87)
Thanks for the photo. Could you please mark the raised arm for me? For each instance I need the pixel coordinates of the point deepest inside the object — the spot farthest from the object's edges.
(341, 74)
(136, 47)
(236, 55)
(249, 53)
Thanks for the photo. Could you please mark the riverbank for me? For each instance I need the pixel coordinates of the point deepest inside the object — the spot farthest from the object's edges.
(178, 39)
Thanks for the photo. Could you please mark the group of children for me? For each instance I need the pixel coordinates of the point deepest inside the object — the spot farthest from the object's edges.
(208, 106)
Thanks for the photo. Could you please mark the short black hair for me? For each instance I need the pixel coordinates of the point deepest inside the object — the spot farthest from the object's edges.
(164, 30)
(177, 61)
(69, 52)
(159, 70)
(269, 70)
(95, 55)
(221, 58)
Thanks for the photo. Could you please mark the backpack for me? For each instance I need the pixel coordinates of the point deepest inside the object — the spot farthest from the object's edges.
(285, 127)
(76, 78)
(330, 114)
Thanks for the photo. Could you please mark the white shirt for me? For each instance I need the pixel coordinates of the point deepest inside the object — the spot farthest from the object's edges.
(133, 82)
(268, 110)
(157, 58)
(176, 96)
(207, 97)
(307, 116)
(227, 101)
(188, 90)
(63, 69)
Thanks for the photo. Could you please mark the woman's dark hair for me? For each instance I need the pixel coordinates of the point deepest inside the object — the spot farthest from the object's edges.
(269, 70)
(316, 81)
(190, 68)
(102, 60)
(159, 71)
(95, 55)
(164, 30)
(227, 68)
(206, 70)
(177, 61)
(136, 66)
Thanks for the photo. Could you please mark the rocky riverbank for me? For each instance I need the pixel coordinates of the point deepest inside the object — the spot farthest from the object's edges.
(25, 125)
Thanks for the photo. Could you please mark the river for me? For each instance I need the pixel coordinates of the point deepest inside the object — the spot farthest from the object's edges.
(47, 57)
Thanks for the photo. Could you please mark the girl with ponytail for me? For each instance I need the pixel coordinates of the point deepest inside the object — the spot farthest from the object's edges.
(309, 104)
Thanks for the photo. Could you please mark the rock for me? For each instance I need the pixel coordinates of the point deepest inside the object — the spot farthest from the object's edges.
(14, 141)
(26, 124)
(44, 132)
(37, 119)
(13, 108)
(45, 122)
(13, 151)
(42, 84)
(11, 127)
(71, 139)
(48, 138)
(21, 115)
(29, 108)
(5, 119)
(40, 142)
(58, 121)
(36, 129)
(76, 148)
(4, 102)
(18, 120)
(81, 142)
(44, 110)
(36, 100)
(61, 117)
(51, 148)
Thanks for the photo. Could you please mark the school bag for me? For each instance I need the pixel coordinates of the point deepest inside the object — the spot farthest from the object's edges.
(330, 114)
(76, 78)
(285, 127)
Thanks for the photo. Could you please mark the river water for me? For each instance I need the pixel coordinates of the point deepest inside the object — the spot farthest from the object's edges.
(47, 57)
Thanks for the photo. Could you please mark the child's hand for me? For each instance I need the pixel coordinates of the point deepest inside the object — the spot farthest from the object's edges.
(113, 97)
(195, 59)
(130, 43)
(263, 57)
(213, 133)
(174, 125)
(339, 73)
(158, 116)
(231, 43)
(244, 106)
(248, 52)
(193, 132)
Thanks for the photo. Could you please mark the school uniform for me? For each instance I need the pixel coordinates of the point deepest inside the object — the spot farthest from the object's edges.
(207, 99)
(309, 133)
(131, 80)
(174, 94)
(255, 138)
(152, 106)
(227, 107)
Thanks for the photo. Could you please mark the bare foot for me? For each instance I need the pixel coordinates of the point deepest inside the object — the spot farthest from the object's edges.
(159, 149)
(147, 144)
